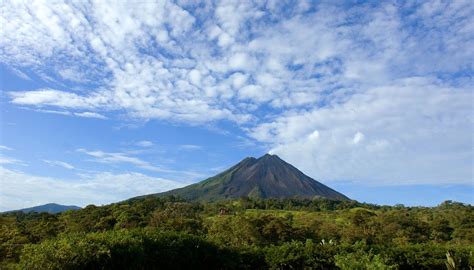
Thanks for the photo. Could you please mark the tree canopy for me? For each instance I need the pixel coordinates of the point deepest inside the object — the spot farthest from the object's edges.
(151, 233)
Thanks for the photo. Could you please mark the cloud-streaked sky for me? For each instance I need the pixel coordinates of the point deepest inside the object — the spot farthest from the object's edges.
(101, 101)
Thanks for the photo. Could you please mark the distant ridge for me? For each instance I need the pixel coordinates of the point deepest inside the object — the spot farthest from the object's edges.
(266, 177)
(51, 208)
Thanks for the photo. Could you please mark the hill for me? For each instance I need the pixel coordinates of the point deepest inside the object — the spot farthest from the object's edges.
(266, 177)
(51, 208)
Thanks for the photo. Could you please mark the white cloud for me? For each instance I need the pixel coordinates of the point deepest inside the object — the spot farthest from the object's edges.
(20, 190)
(190, 147)
(51, 97)
(195, 77)
(53, 112)
(69, 113)
(125, 158)
(232, 15)
(9, 160)
(238, 79)
(399, 75)
(410, 132)
(59, 163)
(111, 158)
(3, 147)
(241, 61)
(144, 144)
(72, 75)
(90, 115)
(255, 93)
(298, 60)
(358, 137)
(6, 160)
(314, 135)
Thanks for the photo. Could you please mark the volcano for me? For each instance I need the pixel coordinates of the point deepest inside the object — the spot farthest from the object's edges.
(266, 177)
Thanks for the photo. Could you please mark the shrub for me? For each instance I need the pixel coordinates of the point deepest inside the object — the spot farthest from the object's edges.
(137, 249)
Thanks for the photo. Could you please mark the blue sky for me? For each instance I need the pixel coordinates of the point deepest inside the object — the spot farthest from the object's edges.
(101, 101)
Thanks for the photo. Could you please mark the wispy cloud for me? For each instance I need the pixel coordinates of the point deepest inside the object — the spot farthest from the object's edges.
(59, 163)
(56, 98)
(69, 113)
(9, 160)
(3, 147)
(144, 144)
(20, 74)
(90, 115)
(72, 75)
(117, 157)
(190, 147)
(125, 158)
(6, 160)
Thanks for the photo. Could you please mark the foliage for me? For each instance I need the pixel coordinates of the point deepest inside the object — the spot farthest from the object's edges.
(253, 233)
(299, 255)
(361, 260)
(132, 249)
(358, 261)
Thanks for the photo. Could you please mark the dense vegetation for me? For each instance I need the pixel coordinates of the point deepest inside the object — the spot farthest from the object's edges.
(153, 233)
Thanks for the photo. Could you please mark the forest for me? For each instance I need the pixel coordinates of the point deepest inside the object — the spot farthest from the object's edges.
(245, 233)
